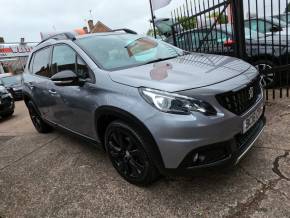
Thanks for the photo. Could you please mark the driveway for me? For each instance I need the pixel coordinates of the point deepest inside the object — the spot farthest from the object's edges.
(57, 175)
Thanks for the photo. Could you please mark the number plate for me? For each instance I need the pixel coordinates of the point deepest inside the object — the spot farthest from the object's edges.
(252, 119)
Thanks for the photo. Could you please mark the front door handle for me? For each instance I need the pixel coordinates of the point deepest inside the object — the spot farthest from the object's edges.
(52, 91)
(30, 85)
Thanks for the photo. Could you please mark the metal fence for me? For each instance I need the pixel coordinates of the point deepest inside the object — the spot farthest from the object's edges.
(254, 30)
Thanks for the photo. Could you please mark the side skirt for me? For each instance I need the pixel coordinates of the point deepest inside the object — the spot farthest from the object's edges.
(61, 128)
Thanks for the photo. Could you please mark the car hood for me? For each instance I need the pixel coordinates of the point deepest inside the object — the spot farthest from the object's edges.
(182, 73)
(284, 32)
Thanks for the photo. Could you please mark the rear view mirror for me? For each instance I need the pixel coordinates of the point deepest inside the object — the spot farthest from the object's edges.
(65, 78)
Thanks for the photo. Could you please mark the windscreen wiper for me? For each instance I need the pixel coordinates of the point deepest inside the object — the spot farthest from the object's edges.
(160, 59)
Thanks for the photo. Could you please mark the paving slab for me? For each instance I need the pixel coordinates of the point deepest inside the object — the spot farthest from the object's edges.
(273, 205)
(69, 178)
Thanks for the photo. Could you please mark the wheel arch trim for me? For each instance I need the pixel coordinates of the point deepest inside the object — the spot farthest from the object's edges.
(118, 113)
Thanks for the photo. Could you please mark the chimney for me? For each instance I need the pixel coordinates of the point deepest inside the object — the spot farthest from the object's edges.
(22, 41)
(86, 29)
(91, 25)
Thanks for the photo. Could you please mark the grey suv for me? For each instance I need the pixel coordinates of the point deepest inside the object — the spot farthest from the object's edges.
(154, 108)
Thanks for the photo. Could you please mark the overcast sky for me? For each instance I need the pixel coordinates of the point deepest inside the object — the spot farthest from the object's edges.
(27, 18)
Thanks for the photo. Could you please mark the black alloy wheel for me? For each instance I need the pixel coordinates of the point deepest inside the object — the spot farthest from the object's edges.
(36, 119)
(126, 150)
(264, 68)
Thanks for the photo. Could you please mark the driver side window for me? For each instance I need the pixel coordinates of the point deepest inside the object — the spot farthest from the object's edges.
(65, 58)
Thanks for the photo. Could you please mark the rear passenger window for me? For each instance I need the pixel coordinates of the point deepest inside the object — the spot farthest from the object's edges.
(41, 63)
(64, 58)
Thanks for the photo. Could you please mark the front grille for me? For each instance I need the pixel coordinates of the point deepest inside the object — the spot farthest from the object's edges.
(17, 94)
(243, 140)
(238, 102)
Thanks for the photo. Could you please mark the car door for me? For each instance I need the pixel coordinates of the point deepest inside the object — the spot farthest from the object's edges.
(37, 80)
(75, 109)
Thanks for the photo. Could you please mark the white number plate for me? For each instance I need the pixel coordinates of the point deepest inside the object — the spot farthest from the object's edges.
(252, 119)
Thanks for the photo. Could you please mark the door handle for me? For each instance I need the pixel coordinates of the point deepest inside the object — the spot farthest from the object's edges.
(52, 91)
(30, 85)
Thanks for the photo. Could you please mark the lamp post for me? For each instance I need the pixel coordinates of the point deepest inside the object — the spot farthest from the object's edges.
(153, 19)
(187, 7)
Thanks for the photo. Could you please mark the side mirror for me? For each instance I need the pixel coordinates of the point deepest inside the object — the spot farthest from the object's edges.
(276, 29)
(66, 78)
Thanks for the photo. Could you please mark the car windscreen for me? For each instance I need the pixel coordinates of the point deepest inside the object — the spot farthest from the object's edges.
(11, 80)
(251, 34)
(284, 17)
(123, 51)
(277, 22)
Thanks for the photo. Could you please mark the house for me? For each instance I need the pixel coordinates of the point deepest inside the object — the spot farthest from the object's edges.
(99, 27)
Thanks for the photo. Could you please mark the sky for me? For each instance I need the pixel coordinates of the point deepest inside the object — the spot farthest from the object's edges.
(27, 18)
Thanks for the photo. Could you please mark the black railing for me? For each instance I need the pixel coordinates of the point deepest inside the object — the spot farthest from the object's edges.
(254, 30)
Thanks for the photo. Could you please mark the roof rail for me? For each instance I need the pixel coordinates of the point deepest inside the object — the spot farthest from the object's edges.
(126, 31)
(59, 36)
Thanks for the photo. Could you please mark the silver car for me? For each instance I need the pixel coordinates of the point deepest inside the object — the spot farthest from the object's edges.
(154, 108)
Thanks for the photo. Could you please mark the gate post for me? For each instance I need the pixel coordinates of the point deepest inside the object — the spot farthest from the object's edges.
(239, 28)
(173, 35)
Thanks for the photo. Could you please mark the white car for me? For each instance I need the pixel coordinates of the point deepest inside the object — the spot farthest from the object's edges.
(268, 26)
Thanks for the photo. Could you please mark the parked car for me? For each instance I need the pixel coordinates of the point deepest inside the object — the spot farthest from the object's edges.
(263, 51)
(13, 84)
(6, 103)
(154, 108)
(268, 26)
(283, 17)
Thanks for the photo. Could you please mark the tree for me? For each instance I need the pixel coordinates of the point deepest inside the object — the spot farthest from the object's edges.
(188, 22)
(221, 18)
(150, 32)
(287, 9)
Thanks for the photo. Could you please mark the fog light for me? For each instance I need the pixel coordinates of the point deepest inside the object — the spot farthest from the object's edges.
(198, 158)
(195, 158)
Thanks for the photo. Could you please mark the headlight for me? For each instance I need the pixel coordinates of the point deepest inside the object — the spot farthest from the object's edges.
(176, 104)
(3, 90)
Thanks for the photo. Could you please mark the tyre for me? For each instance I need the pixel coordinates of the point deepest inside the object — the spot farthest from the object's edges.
(269, 78)
(8, 114)
(126, 148)
(36, 119)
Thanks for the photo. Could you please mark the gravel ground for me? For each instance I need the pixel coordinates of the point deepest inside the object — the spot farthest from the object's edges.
(57, 175)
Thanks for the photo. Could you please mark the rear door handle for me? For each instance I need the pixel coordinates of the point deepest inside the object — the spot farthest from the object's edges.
(52, 91)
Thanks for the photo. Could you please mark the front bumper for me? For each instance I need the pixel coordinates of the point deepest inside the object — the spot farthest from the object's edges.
(17, 94)
(180, 137)
(224, 154)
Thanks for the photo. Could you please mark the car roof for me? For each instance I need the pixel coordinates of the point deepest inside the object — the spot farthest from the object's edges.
(100, 34)
(218, 27)
(72, 37)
